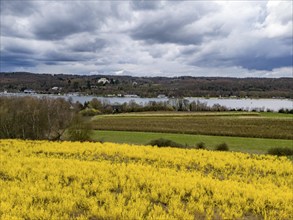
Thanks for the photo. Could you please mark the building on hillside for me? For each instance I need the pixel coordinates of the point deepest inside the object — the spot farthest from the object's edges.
(162, 96)
(103, 81)
(56, 88)
(29, 91)
(131, 96)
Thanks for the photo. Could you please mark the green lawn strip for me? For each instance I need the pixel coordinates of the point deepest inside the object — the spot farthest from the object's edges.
(179, 114)
(276, 115)
(249, 145)
(199, 114)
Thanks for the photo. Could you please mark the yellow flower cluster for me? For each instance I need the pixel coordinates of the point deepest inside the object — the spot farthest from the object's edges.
(73, 180)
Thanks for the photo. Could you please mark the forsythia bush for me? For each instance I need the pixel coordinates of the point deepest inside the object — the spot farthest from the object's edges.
(73, 180)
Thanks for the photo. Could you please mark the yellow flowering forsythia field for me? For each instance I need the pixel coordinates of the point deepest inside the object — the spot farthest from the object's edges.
(72, 180)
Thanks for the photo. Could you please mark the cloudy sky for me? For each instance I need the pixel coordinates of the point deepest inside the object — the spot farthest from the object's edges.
(148, 38)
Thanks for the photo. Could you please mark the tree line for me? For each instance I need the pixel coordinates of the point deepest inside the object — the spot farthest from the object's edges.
(95, 106)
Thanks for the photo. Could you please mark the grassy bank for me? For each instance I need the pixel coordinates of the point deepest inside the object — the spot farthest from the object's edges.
(237, 124)
(250, 145)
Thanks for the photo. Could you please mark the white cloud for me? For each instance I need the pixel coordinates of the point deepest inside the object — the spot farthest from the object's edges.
(168, 38)
(278, 22)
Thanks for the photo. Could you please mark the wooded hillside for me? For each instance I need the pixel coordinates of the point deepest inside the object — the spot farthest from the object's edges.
(148, 87)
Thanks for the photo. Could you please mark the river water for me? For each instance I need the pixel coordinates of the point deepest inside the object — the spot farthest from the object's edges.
(246, 104)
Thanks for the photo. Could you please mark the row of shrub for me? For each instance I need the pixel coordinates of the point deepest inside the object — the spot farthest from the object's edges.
(161, 142)
(281, 151)
(219, 147)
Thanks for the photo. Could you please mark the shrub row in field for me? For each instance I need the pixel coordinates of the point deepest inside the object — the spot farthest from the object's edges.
(161, 142)
(281, 151)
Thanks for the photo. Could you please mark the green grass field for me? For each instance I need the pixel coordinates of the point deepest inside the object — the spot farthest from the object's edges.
(250, 145)
(236, 124)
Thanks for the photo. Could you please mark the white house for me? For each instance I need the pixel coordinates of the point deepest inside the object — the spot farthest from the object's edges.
(29, 91)
(56, 88)
(103, 80)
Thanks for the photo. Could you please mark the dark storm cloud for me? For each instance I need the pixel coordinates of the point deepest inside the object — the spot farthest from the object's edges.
(10, 60)
(267, 55)
(89, 45)
(57, 30)
(165, 32)
(17, 8)
(175, 27)
(145, 5)
(59, 56)
(268, 63)
(64, 20)
(17, 49)
(16, 54)
(263, 54)
(248, 62)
